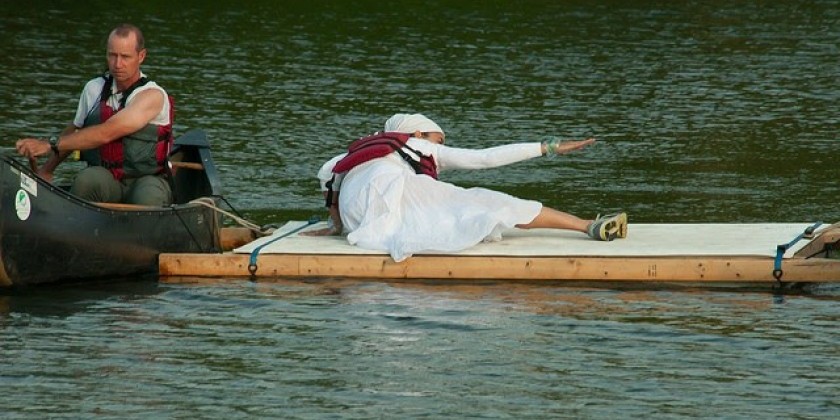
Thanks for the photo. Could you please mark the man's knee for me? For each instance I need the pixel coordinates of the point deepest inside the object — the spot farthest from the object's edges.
(96, 183)
(150, 191)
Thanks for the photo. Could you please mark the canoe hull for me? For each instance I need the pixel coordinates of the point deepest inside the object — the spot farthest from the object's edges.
(49, 235)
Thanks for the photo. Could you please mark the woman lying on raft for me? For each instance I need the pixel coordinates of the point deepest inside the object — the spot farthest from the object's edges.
(391, 200)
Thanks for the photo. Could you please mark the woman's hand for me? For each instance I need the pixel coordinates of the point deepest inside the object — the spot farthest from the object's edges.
(567, 146)
(335, 227)
(327, 231)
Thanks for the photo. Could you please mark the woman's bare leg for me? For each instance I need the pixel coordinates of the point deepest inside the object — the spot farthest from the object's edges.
(555, 219)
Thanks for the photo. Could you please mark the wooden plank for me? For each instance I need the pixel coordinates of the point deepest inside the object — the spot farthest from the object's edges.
(829, 237)
(233, 237)
(666, 269)
(127, 206)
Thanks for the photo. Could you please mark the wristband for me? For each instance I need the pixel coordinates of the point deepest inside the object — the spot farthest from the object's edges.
(551, 146)
(54, 144)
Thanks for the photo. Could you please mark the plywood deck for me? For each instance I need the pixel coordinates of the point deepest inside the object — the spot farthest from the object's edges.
(652, 252)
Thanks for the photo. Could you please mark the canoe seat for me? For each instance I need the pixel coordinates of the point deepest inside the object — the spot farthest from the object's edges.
(192, 171)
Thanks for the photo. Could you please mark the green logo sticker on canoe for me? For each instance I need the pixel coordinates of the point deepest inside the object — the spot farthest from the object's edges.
(23, 205)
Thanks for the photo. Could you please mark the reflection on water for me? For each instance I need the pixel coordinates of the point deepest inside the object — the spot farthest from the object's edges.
(712, 111)
(361, 349)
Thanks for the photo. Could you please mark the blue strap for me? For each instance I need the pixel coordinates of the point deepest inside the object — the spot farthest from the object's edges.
(781, 249)
(252, 263)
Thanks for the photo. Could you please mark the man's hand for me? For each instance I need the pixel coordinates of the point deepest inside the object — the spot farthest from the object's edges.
(33, 148)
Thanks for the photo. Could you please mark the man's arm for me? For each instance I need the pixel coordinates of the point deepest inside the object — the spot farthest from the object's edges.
(142, 109)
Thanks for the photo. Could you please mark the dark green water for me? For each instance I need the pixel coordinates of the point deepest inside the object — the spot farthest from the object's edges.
(706, 111)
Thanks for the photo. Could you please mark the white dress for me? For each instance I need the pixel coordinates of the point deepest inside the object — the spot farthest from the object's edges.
(385, 206)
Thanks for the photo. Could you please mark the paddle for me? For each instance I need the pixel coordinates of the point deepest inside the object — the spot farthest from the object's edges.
(33, 162)
(252, 263)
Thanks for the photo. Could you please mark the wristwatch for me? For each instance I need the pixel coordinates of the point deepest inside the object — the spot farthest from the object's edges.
(54, 144)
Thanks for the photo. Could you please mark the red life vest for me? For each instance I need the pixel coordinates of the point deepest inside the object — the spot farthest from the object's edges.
(377, 145)
(143, 152)
(381, 144)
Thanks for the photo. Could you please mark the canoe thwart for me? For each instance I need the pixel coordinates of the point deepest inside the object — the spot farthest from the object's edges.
(188, 165)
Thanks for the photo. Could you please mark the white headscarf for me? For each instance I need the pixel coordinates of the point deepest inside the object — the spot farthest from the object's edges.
(409, 123)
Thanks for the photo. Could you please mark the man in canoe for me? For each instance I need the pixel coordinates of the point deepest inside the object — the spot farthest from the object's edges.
(123, 128)
(391, 200)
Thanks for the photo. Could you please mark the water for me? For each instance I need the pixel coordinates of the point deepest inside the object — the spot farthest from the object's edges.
(706, 112)
(371, 350)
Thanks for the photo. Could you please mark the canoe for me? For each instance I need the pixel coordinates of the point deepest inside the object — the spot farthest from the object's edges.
(770, 253)
(48, 235)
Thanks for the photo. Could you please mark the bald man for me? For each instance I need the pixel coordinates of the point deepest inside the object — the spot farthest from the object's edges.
(123, 126)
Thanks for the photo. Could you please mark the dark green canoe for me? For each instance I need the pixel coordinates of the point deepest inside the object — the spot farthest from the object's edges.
(49, 235)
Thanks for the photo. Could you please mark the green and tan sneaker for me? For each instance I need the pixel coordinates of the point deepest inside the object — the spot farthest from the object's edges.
(608, 227)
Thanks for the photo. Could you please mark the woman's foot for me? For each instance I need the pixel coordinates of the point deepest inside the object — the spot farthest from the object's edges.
(608, 227)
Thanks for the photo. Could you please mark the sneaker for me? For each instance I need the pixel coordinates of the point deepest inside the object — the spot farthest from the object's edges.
(608, 227)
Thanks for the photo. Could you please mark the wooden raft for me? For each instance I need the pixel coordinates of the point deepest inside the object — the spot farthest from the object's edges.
(539, 255)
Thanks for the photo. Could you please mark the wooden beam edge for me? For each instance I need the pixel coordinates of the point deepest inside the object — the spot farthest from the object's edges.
(662, 269)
